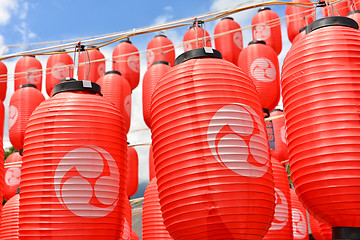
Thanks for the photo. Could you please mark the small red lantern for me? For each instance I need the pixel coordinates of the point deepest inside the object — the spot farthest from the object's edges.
(299, 219)
(10, 219)
(58, 66)
(340, 8)
(319, 230)
(160, 48)
(3, 81)
(126, 234)
(354, 15)
(12, 175)
(28, 70)
(91, 64)
(196, 36)
(151, 164)
(266, 27)
(151, 78)
(116, 89)
(133, 176)
(126, 59)
(228, 39)
(22, 103)
(281, 151)
(134, 236)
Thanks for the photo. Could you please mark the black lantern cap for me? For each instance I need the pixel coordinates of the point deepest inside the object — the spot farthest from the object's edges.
(332, 21)
(161, 62)
(71, 84)
(113, 71)
(206, 52)
(257, 41)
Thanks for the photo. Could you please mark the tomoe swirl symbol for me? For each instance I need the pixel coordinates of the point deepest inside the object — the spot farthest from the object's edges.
(281, 215)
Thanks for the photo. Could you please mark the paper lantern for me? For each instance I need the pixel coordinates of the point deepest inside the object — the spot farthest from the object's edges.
(354, 15)
(299, 220)
(319, 230)
(12, 175)
(91, 64)
(134, 236)
(281, 151)
(133, 166)
(3, 81)
(341, 8)
(28, 70)
(195, 37)
(301, 34)
(10, 219)
(126, 234)
(151, 164)
(160, 48)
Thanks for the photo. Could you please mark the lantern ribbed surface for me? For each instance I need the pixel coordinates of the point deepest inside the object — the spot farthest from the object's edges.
(91, 65)
(281, 226)
(211, 152)
(10, 219)
(299, 219)
(12, 175)
(320, 89)
(151, 78)
(73, 183)
(22, 103)
(3, 81)
(280, 152)
(151, 164)
(28, 69)
(127, 229)
(319, 230)
(152, 221)
(2, 172)
(325, 230)
(195, 38)
(160, 48)
(133, 176)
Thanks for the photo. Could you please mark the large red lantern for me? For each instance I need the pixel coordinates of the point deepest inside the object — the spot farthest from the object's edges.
(299, 220)
(22, 103)
(354, 15)
(126, 59)
(151, 164)
(28, 70)
(228, 39)
(302, 33)
(10, 219)
(152, 221)
(12, 175)
(211, 152)
(266, 27)
(91, 64)
(321, 106)
(3, 81)
(116, 89)
(75, 148)
(260, 62)
(281, 226)
(58, 66)
(196, 37)
(160, 48)
(340, 8)
(133, 176)
(151, 78)
(281, 151)
(298, 17)
(319, 230)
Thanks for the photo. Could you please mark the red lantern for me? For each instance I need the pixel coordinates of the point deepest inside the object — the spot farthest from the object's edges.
(319, 230)
(151, 164)
(126, 234)
(3, 81)
(12, 174)
(152, 221)
(151, 78)
(2, 119)
(91, 64)
(280, 152)
(354, 15)
(58, 66)
(126, 59)
(10, 219)
(75, 148)
(341, 8)
(321, 106)
(281, 226)
(299, 220)
(28, 70)
(160, 48)
(133, 166)
(228, 39)
(266, 26)
(195, 37)
(22, 103)
(325, 230)
(356, 4)
(134, 236)
(260, 62)
(116, 89)
(301, 34)
(298, 17)
(211, 152)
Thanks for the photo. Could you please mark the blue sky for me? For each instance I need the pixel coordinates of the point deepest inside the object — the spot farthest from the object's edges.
(24, 22)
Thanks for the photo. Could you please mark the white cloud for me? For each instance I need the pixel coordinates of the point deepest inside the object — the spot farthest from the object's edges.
(168, 8)
(23, 10)
(25, 31)
(7, 7)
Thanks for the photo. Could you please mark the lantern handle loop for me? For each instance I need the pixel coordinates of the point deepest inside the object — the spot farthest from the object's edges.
(196, 32)
(88, 72)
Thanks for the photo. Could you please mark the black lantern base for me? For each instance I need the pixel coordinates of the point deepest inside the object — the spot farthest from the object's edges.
(346, 233)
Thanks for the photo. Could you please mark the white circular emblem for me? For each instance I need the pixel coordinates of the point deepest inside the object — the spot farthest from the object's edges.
(101, 69)
(126, 231)
(262, 69)
(127, 105)
(12, 176)
(240, 150)
(33, 75)
(13, 115)
(281, 211)
(238, 39)
(283, 134)
(187, 46)
(60, 71)
(299, 224)
(262, 31)
(133, 63)
(150, 57)
(86, 182)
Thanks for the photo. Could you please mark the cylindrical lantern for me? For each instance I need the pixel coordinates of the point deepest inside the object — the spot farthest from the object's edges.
(126, 59)
(22, 103)
(319, 230)
(3, 81)
(298, 17)
(260, 62)
(12, 175)
(151, 163)
(133, 176)
(73, 180)
(354, 15)
(152, 221)
(134, 236)
(278, 121)
(302, 33)
(341, 8)
(228, 39)
(58, 66)
(356, 4)
(281, 226)
(321, 105)
(91, 64)
(266, 26)
(126, 234)
(325, 230)
(299, 220)
(10, 219)
(116, 89)
(160, 48)
(151, 78)
(211, 151)
(195, 37)
(28, 70)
